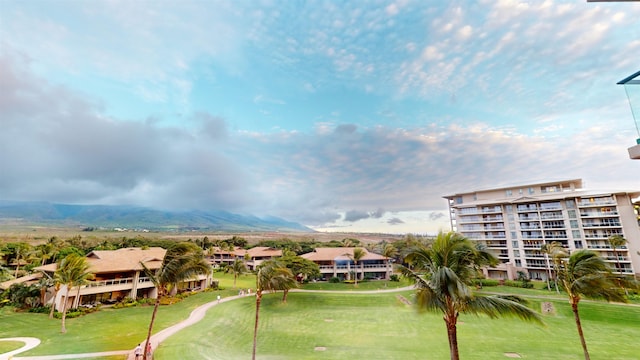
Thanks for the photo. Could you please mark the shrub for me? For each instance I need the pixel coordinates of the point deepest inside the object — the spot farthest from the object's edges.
(394, 277)
(486, 282)
(334, 280)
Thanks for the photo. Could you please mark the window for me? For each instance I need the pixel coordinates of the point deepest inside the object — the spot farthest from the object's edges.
(458, 199)
(509, 192)
(509, 208)
(576, 234)
(570, 204)
(514, 243)
(572, 214)
(574, 224)
(516, 253)
(518, 263)
(532, 191)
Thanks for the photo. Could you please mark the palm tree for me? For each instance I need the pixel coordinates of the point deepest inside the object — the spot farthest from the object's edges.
(550, 250)
(585, 274)
(449, 265)
(271, 276)
(358, 254)
(238, 267)
(390, 252)
(617, 241)
(181, 262)
(73, 270)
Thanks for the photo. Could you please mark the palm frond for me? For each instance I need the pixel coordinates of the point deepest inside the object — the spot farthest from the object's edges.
(496, 306)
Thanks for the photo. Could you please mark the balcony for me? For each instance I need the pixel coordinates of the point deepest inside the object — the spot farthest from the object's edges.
(527, 208)
(591, 214)
(596, 202)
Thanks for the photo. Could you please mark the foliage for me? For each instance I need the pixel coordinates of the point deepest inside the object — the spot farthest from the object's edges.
(486, 282)
(72, 271)
(585, 274)
(23, 296)
(300, 266)
(334, 280)
(272, 276)
(394, 277)
(449, 267)
(181, 261)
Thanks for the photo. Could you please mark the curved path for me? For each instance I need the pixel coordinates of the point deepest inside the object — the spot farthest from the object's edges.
(195, 316)
(29, 343)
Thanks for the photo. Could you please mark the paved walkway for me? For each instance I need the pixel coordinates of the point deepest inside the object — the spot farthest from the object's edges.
(195, 316)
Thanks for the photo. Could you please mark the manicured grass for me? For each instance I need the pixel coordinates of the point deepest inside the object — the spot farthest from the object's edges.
(6, 346)
(107, 329)
(380, 326)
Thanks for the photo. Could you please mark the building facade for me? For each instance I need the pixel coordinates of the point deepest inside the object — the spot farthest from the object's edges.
(339, 263)
(118, 274)
(515, 222)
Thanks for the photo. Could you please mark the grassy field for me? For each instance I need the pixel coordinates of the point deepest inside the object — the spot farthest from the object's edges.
(344, 326)
(107, 329)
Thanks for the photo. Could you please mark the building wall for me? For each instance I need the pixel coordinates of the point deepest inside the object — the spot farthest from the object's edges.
(513, 223)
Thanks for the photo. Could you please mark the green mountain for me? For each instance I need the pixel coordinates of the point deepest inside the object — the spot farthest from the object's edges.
(133, 217)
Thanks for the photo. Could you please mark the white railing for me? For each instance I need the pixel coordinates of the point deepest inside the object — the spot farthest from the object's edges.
(110, 282)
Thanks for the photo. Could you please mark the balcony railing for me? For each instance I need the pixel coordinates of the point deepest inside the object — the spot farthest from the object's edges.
(110, 282)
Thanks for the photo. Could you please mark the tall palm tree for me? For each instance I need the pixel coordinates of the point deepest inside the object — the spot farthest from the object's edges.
(390, 252)
(72, 271)
(449, 265)
(358, 254)
(181, 262)
(585, 274)
(617, 241)
(238, 267)
(271, 276)
(549, 250)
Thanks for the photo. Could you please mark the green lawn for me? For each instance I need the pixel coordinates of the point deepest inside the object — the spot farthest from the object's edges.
(381, 327)
(107, 329)
(349, 326)
(6, 346)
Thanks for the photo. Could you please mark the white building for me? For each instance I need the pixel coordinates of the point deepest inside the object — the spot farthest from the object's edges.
(514, 222)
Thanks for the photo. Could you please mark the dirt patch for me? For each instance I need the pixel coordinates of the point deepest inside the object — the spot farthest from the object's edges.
(319, 348)
(328, 320)
(512, 355)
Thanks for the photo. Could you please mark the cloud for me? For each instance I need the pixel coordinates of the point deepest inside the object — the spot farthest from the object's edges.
(354, 215)
(395, 221)
(433, 216)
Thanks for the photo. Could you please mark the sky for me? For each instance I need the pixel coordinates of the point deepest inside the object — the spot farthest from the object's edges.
(351, 116)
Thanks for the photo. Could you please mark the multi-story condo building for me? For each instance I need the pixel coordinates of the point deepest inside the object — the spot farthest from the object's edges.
(515, 222)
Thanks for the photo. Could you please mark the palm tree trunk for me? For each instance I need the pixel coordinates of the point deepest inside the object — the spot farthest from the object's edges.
(452, 333)
(53, 302)
(63, 329)
(255, 328)
(574, 307)
(355, 273)
(153, 319)
(546, 258)
(284, 297)
(78, 297)
(615, 253)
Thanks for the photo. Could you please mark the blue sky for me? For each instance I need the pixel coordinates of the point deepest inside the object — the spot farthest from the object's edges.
(343, 116)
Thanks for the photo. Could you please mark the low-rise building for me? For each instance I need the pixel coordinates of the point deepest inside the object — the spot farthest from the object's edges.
(338, 262)
(118, 274)
(252, 257)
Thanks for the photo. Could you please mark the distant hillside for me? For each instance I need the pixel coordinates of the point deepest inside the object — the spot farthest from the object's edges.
(138, 218)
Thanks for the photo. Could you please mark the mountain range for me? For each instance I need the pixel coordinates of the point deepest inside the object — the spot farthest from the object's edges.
(133, 217)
